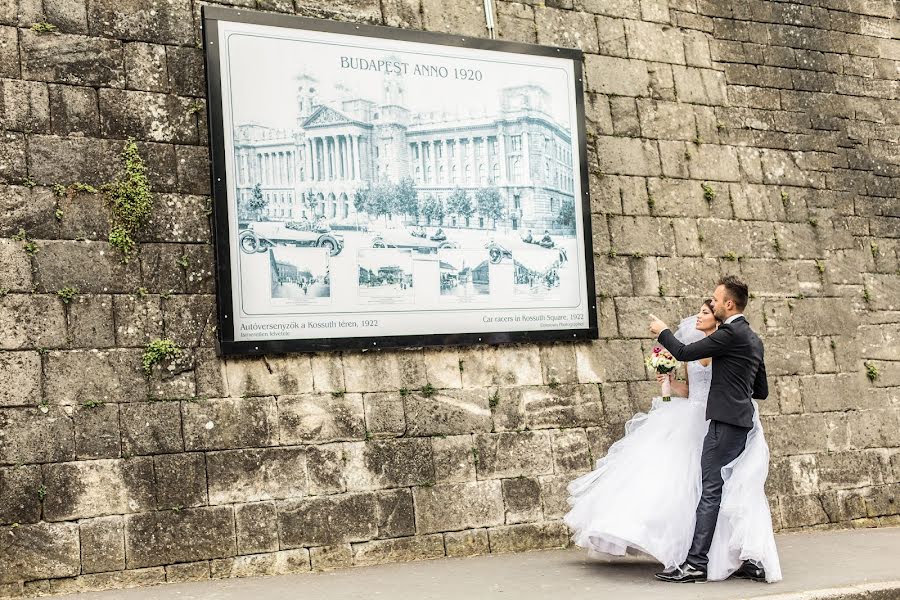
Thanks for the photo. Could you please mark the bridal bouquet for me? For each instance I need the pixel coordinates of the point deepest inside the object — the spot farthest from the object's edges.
(662, 362)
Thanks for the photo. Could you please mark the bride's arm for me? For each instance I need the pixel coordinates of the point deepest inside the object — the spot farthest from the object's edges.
(678, 388)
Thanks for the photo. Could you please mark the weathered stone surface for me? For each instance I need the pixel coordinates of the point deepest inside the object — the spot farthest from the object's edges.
(97, 488)
(151, 428)
(32, 322)
(384, 413)
(528, 536)
(543, 407)
(91, 267)
(19, 500)
(571, 451)
(20, 378)
(24, 105)
(328, 372)
(462, 18)
(628, 156)
(454, 458)
(181, 480)
(146, 115)
(102, 544)
(274, 375)
(518, 365)
(182, 572)
(321, 521)
(466, 543)
(458, 506)
(632, 78)
(320, 418)
(379, 464)
(229, 423)
(398, 550)
(275, 563)
(253, 475)
(190, 319)
(566, 28)
(512, 454)
(331, 557)
(365, 373)
(256, 527)
(136, 20)
(648, 235)
(610, 360)
(186, 73)
(74, 110)
(12, 158)
(72, 59)
(521, 499)
(166, 537)
(30, 435)
(78, 376)
(97, 432)
(39, 551)
(91, 322)
(447, 412)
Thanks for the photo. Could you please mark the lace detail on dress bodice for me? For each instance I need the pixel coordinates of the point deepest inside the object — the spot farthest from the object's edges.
(699, 379)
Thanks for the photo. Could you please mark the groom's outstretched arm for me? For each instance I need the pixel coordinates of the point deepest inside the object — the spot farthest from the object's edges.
(711, 346)
(761, 384)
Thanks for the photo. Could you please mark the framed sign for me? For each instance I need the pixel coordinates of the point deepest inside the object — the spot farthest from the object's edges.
(377, 187)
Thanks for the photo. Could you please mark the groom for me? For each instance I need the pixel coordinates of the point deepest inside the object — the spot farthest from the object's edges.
(738, 374)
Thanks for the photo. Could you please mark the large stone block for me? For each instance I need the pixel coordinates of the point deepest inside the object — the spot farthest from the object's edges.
(30, 435)
(226, 423)
(257, 527)
(796, 434)
(616, 76)
(521, 500)
(396, 514)
(190, 319)
(320, 418)
(9, 51)
(454, 459)
(186, 72)
(384, 413)
(102, 544)
(13, 167)
(452, 507)
(371, 372)
(91, 267)
(268, 375)
(571, 451)
(381, 464)
(513, 453)
(31, 321)
(884, 291)
(826, 393)
(74, 110)
(642, 235)
(824, 316)
(178, 217)
(39, 551)
(145, 67)
(151, 428)
(515, 22)
(77, 376)
(678, 198)
(72, 59)
(91, 322)
(518, 365)
(545, 407)
(97, 432)
(259, 565)
(528, 536)
(566, 28)
(448, 412)
(20, 378)
(141, 21)
(398, 550)
(558, 363)
(327, 520)
(632, 313)
(25, 105)
(554, 494)
(251, 475)
(610, 360)
(166, 537)
(15, 267)
(444, 368)
(628, 156)
(97, 488)
(842, 470)
(325, 464)
(19, 499)
(471, 542)
(787, 356)
(874, 428)
(28, 209)
(147, 115)
(461, 18)
(138, 319)
(181, 480)
(328, 372)
(654, 42)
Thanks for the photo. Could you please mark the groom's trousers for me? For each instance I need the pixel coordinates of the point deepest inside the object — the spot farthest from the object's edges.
(723, 443)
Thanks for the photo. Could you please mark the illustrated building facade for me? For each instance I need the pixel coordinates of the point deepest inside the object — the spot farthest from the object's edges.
(334, 151)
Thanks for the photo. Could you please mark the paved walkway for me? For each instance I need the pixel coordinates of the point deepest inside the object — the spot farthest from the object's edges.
(810, 561)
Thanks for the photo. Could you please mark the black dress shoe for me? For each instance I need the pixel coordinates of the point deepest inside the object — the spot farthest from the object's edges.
(686, 573)
(750, 571)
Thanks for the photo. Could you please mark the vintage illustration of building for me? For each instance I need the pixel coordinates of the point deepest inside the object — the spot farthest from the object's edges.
(336, 150)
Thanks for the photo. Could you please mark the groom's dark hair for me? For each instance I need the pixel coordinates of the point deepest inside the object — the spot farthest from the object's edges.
(737, 290)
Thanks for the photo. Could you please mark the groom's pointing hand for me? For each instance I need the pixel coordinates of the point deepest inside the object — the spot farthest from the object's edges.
(656, 325)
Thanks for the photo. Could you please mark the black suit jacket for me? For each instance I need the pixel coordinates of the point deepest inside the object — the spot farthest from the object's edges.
(738, 369)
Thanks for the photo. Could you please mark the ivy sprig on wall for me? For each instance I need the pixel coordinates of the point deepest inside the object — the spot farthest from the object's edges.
(130, 199)
(158, 351)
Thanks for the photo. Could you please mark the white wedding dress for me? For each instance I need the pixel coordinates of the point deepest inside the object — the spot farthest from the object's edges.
(643, 494)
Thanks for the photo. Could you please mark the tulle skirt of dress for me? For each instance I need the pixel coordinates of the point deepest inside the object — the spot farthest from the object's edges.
(643, 494)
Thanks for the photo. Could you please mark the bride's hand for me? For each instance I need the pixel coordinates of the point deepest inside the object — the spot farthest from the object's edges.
(660, 377)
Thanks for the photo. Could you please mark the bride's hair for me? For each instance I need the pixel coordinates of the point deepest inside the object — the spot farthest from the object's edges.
(709, 305)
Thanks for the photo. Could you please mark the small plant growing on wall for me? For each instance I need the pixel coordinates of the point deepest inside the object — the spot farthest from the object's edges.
(130, 199)
(709, 194)
(871, 371)
(158, 351)
(67, 294)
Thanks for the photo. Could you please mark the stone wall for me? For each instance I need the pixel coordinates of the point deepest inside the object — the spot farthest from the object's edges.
(751, 137)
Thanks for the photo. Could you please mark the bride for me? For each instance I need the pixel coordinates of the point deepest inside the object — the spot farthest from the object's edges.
(643, 494)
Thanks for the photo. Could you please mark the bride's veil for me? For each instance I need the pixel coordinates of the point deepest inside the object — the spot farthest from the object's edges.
(687, 332)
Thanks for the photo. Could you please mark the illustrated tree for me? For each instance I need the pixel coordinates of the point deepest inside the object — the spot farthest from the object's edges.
(489, 204)
(460, 204)
(566, 215)
(405, 199)
(257, 202)
(432, 209)
(310, 203)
